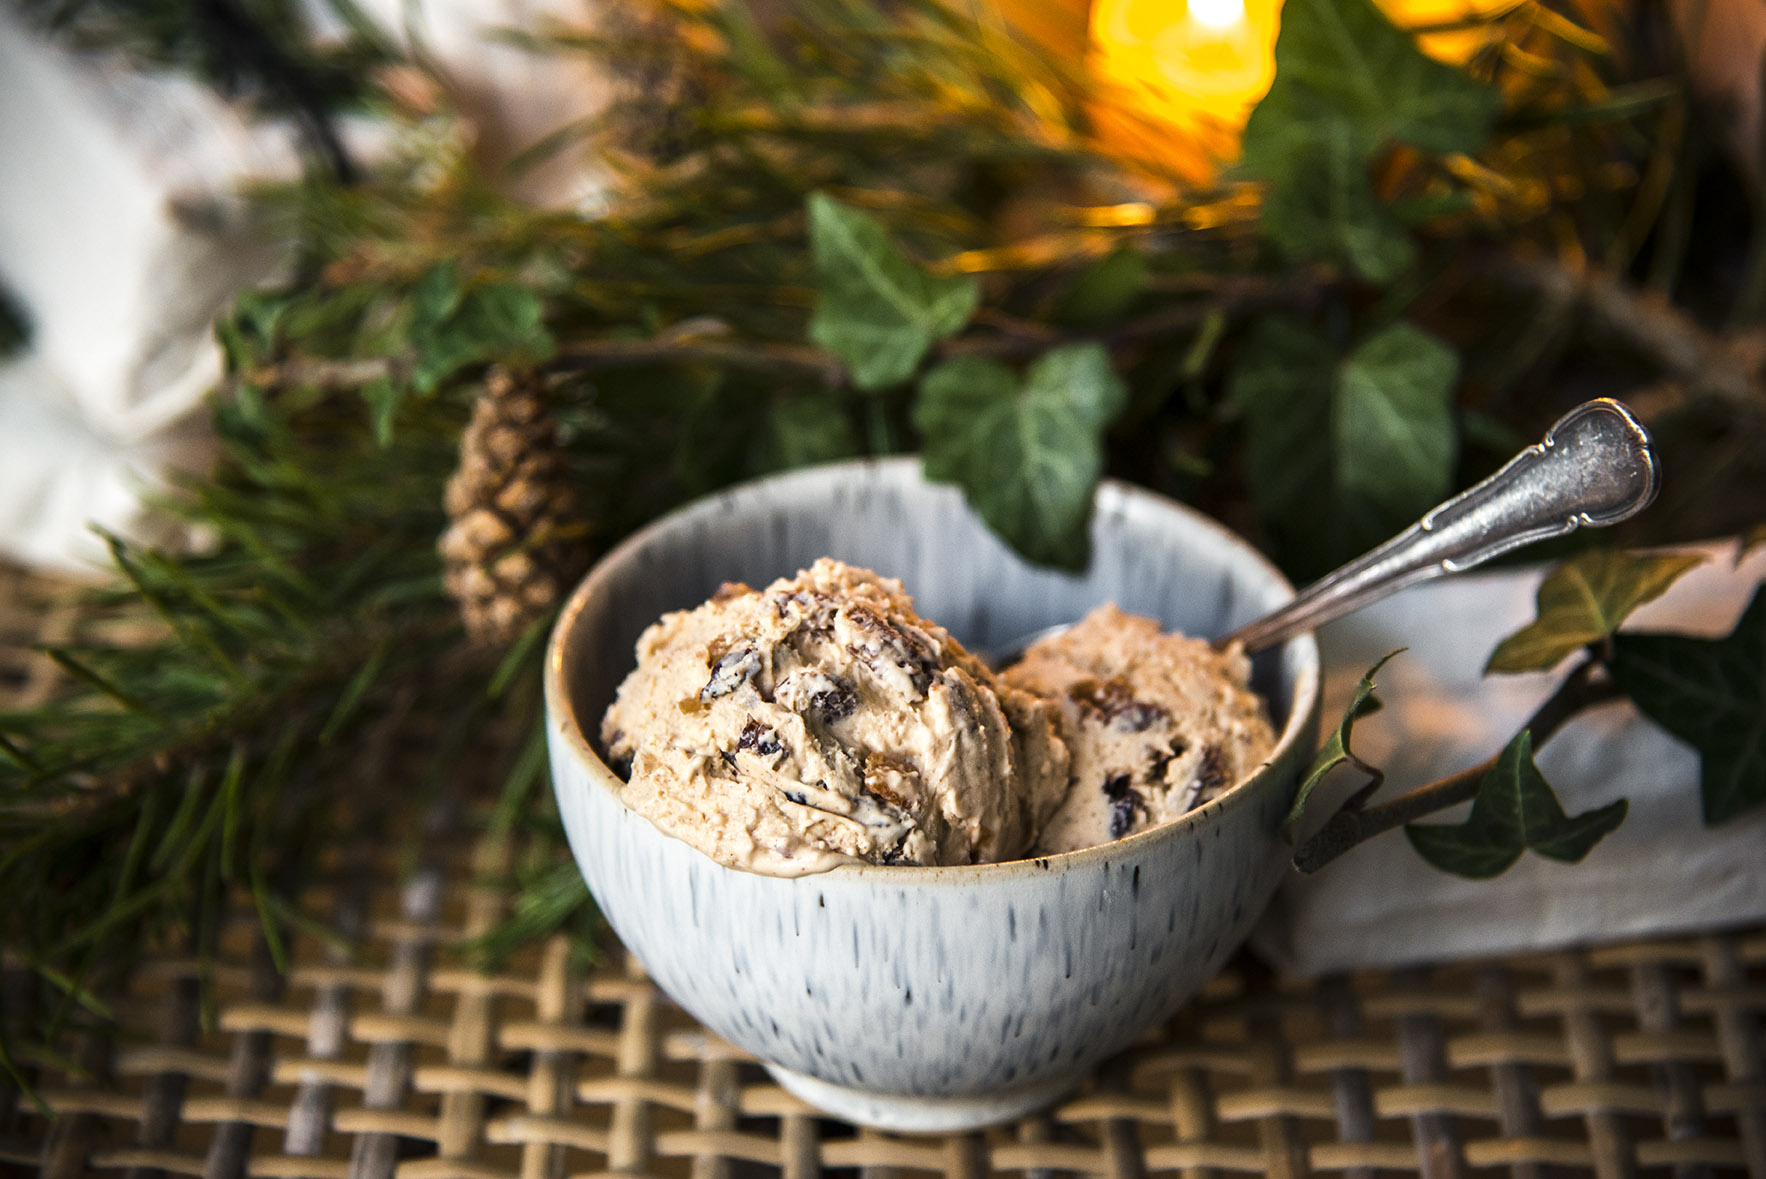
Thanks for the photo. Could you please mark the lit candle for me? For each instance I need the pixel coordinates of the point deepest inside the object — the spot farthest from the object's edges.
(1177, 79)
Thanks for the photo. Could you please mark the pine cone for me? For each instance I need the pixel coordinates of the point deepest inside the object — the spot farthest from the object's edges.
(511, 549)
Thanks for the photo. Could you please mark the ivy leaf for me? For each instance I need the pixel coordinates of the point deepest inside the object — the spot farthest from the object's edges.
(1515, 810)
(1583, 601)
(1321, 201)
(1348, 84)
(1335, 751)
(1028, 456)
(806, 429)
(876, 309)
(438, 293)
(1393, 424)
(454, 324)
(1342, 451)
(1711, 693)
(1283, 386)
(1346, 60)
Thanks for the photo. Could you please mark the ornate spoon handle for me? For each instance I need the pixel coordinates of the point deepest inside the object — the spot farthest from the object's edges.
(1595, 467)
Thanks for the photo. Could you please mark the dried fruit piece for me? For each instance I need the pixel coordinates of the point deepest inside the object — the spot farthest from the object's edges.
(730, 672)
(1125, 804)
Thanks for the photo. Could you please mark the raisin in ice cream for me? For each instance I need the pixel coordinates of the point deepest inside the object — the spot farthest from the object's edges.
(821, 721)
(1155, 724)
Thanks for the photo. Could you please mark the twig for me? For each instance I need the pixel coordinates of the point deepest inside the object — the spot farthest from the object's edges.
(750, 355)
(1710, 366)
(1008, 338)
(322, 373)
(1012, 325)
(1247, 295)
(1580, 690)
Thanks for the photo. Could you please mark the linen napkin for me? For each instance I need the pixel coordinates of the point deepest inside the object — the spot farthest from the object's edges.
(1661, 872)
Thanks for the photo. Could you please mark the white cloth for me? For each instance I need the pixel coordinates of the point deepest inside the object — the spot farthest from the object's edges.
(124, 231)
(122, 234)
(1661, 872)
(58, 477)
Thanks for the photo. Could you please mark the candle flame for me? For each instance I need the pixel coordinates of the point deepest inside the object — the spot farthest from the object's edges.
(1177, 78)
(1218, 15)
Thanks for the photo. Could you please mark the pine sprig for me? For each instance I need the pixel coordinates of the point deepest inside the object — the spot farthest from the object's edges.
(212, 751)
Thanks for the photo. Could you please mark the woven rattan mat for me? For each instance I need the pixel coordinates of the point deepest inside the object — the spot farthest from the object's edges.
(391, 1057)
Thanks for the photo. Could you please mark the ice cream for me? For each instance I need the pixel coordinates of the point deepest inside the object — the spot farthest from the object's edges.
(1154, 724)
(821, 721)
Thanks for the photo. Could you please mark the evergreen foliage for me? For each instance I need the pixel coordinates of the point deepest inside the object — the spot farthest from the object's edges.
(853, 224)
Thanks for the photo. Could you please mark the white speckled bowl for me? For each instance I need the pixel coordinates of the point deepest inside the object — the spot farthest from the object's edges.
(929, 999)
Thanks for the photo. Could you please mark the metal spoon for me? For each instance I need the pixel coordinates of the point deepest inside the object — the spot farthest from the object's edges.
(1595, 467)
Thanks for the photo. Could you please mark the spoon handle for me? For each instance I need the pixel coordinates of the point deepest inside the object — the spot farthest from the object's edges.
(1595, 466)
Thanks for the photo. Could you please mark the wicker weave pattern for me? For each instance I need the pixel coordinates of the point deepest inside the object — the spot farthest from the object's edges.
(388, 1056)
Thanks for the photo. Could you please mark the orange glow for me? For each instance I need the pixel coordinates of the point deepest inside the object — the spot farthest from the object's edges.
(1455, 46)
(1176, 79)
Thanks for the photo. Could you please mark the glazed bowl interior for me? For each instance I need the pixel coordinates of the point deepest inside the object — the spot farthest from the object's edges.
(1150, 557)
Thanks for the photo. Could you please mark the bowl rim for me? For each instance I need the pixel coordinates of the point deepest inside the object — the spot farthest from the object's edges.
(562, 719)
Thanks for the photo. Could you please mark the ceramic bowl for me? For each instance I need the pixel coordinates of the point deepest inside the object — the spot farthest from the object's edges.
(929, 999)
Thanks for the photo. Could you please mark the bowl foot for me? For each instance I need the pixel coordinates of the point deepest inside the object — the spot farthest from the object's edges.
(920, 1115)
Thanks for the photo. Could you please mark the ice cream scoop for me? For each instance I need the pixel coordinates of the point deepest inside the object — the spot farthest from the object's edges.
(822, 721)
(1154, 723)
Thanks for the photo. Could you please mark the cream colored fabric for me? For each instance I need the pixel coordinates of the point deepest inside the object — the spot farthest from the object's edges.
(1661, 872)
(122, 234)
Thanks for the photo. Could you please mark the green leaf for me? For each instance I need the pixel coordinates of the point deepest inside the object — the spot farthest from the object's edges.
(1393, 425)
(1283, 385)
(807, 429)
(1335, 751)
(1710, 693)
(1028, 456)
(1585, 600)
(1344, 60)
(454, 325)
(1105, 289)
(1321, 202)
(249, 332)
(1348, 85)
(1515, 810)
(876, 309)
(438, 293)
(1341, 452)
